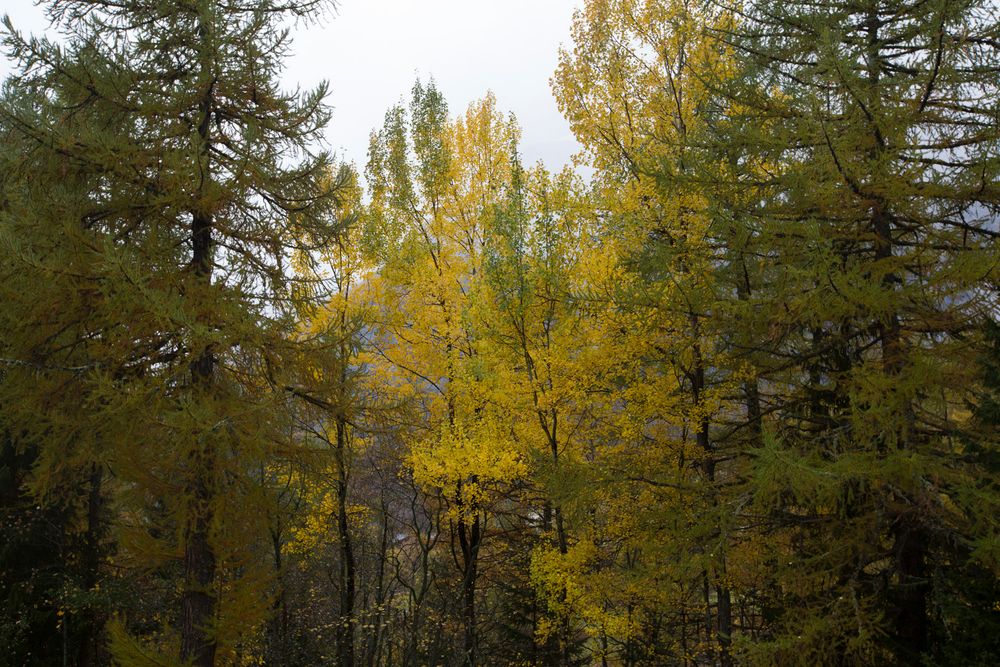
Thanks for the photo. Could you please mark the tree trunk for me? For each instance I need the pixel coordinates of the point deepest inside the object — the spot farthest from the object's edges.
(724, 610)
(375, 638)
(198, 643)
(469, 538)
(345, 624)
(89, 650)
(198, 602)
(911, 623)
(277, 625)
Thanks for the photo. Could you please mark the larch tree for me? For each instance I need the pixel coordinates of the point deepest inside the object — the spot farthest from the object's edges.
(55, 463)
(862, 138)
(185, 223)
(634, 90)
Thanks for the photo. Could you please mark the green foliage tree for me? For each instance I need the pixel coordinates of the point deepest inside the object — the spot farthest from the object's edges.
(187, 213)
(54, 487)
(860, 139)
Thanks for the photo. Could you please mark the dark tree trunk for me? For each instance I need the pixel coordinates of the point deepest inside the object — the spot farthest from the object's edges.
(724, 610)
(469, 538)
(345, 624)
(198, 601)
(277, 626)
(911, 623)
(375, 638)
(198, 644)
(911, 597)
(724, 613)
(89, 650)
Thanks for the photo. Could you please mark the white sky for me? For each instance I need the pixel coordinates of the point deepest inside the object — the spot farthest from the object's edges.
(372, 51)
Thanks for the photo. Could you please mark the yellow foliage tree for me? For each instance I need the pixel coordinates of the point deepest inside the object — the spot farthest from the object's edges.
(435, 186)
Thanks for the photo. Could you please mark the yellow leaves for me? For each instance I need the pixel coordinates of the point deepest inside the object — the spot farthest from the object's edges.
(525, 346)
(470, 460)
(632, 85)
(482, 142)
(316, 527)
(443, 182)
(558, 577)
(573, 585)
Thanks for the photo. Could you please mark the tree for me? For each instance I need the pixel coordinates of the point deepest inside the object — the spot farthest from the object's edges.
(335, 384)
(189, 216)
(435, 184)
(735, 401)
(634, 90)
(548, 352)
(54, 482)
(858, 137)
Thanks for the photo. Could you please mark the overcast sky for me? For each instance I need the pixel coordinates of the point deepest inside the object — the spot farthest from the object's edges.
(371, 51)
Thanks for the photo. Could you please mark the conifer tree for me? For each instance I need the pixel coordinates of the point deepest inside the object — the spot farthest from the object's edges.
(54, 487)
(861, 139)
(186, 220)
(633, 90)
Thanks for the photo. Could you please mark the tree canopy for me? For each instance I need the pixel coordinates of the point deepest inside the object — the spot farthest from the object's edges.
(732, 399)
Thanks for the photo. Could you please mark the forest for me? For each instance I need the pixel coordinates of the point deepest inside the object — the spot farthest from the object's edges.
(724, 391)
